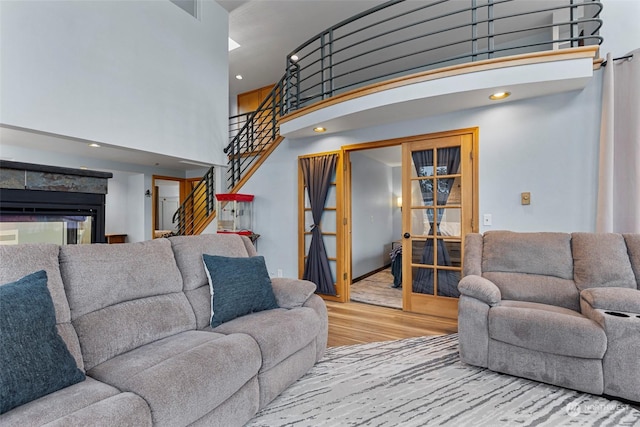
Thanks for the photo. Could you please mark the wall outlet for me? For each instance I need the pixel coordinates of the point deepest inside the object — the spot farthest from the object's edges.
(279, 272)
(486, 220)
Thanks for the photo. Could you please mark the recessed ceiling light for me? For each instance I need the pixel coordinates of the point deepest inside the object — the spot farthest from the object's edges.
(239, 76)
(94, 145)
(294, 58)
(319, 129)
(499, 95)
(233, 44)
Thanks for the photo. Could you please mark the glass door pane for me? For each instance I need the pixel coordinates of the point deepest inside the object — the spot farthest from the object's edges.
(434, 225)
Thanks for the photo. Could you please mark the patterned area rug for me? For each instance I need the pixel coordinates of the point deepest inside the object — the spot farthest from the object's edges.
(421, 382)
(376, 289)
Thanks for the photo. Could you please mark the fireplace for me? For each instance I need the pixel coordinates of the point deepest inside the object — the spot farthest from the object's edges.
(48, 204)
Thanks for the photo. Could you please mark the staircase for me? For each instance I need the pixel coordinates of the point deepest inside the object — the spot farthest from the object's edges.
(198, 209)
(253, 137)
(394, 39)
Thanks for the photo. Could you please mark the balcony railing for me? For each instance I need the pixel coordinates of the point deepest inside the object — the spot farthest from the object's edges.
(401, 37)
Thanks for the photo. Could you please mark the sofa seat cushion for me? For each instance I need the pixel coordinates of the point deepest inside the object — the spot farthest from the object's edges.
(67, 406)
(185, 376)
(279, 332)
(547, 328)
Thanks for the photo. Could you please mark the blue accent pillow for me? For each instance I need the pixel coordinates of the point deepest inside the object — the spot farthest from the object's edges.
(34, 360)
(238, 286)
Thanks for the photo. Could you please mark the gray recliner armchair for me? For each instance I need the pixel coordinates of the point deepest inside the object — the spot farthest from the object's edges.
(559, 308)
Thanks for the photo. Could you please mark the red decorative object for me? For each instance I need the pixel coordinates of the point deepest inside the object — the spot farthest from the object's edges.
(234, 212)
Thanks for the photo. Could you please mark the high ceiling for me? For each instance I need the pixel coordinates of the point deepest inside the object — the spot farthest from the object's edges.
(268, 30)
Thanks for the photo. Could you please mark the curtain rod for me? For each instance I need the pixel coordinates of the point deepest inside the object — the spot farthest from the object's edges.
(604, 63)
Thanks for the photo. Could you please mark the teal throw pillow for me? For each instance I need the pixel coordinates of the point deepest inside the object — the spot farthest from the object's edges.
(238, 286)
(34, 360)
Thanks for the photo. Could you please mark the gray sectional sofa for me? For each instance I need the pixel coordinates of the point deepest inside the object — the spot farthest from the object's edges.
(135, 317)
(558, 308)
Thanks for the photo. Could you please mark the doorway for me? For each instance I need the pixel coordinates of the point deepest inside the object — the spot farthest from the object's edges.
(167, 195)
(376, 225)
(440, 223)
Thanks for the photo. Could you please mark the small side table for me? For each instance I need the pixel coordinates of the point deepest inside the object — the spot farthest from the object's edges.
(116, 238)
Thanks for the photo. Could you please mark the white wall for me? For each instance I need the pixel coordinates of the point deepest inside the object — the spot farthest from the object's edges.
(396, 185)
(620, 30)
(138, 74)
(116, 211)
(371, 213)
(139, 225)
(547, 146)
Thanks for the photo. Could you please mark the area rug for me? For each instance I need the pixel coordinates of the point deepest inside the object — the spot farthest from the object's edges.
(376, 289)
(421, 382)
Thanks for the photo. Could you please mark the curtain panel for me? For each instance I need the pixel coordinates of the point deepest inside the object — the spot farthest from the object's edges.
(317, 172)
(448, 158)
(618, 209)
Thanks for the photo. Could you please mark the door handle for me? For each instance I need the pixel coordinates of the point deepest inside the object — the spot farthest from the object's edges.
(406, 235)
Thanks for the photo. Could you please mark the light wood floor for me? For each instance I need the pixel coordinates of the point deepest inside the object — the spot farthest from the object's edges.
(357, 323)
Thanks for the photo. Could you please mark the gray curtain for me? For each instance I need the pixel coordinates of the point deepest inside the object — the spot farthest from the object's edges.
(618, 208)
(317, 173)
(447, 280)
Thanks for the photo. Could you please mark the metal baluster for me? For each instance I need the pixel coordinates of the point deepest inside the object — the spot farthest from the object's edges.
(491, 28)
(474, 31)
(574, 24)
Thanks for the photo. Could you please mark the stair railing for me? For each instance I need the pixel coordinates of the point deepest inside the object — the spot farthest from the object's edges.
(251, 140)
(198, 208)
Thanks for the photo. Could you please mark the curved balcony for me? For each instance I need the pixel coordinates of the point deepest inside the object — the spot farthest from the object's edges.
(424, 55)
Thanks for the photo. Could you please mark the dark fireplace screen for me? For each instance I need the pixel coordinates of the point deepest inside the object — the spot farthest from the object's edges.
(58, 229)
(62, 218)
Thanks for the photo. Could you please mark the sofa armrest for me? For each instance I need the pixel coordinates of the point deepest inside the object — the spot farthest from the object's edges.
(480, 288)
(291, 293)
(615, 299)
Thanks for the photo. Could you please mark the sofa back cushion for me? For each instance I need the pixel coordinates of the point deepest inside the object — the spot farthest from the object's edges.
(123, 296)
(473, 243)
(633, 249)
(534, 267)
(601, 260)
(21, 260)
(188, 251)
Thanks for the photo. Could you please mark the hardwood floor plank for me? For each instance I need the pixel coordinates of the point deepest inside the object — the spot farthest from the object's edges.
(357, 323)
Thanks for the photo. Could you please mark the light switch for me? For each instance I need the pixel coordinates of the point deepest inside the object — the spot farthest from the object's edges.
(525, 198)
(486, 219)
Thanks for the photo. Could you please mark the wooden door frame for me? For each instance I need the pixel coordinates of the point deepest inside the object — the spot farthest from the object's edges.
(341, 290)
(183, 192)
(346, 190)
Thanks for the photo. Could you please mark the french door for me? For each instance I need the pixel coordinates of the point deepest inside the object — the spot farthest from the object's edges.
(328, 226)
(439, 206)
